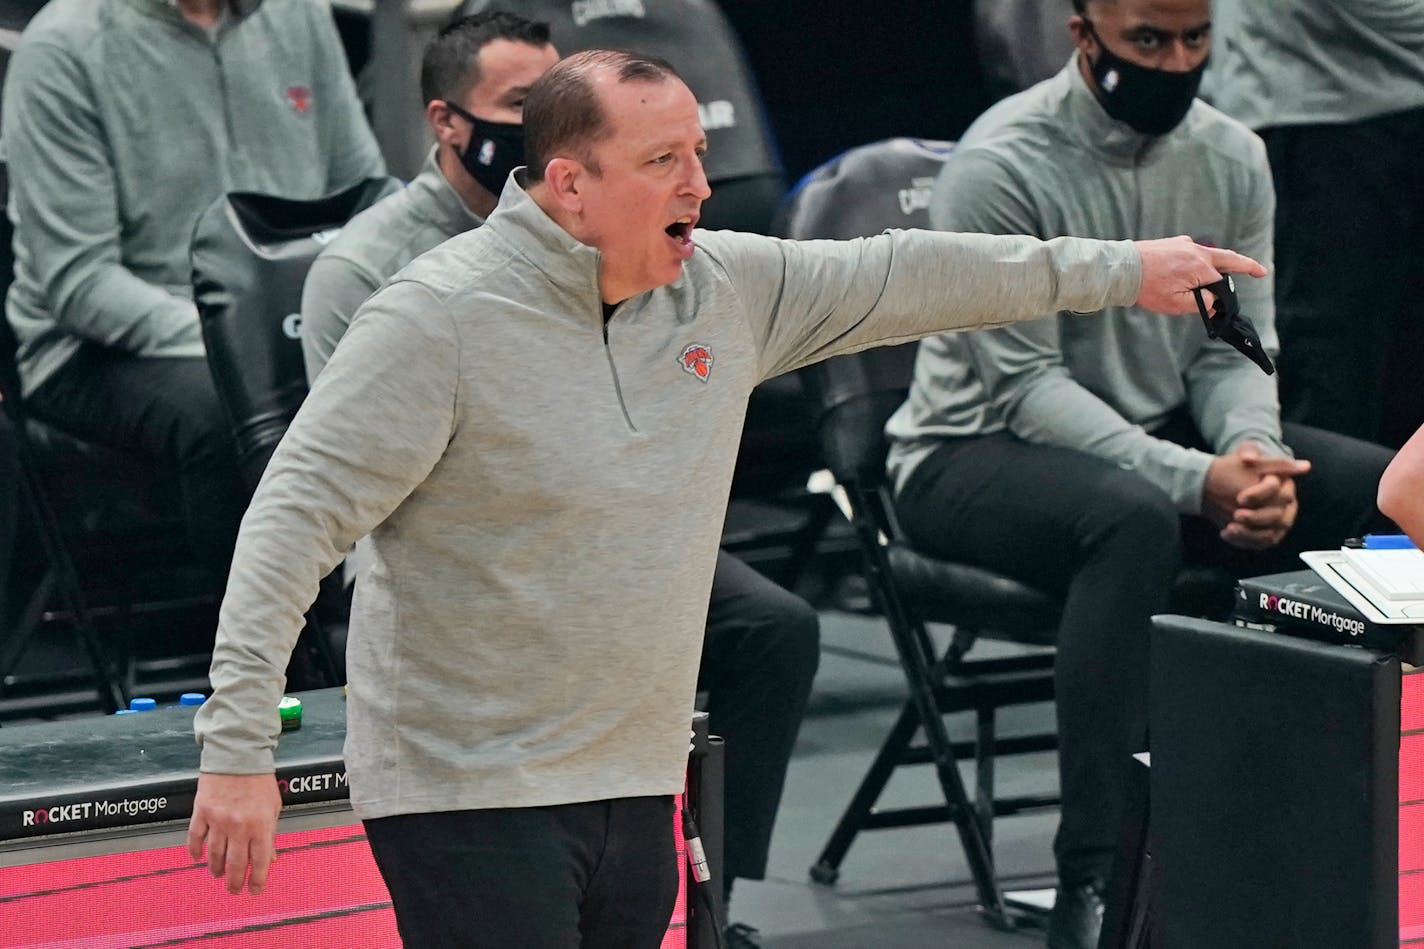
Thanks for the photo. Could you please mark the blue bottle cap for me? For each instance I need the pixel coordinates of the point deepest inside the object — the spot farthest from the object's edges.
(142, 705)
(192, 698)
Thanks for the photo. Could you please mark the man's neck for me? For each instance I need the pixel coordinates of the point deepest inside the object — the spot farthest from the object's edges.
(476, 197)
(201, 13)
(610, 291)
(1086, 69)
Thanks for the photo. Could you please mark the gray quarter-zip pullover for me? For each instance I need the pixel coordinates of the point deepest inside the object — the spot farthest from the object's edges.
(1051, 162)
(122, 122)
(1315, 62)
(545, 493)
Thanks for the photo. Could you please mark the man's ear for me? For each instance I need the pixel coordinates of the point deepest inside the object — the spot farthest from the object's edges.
(1082, 37)
(442, 122)
(562, 178)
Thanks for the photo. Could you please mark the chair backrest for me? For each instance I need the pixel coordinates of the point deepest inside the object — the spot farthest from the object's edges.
(15, 14)
(1021, 42)
(859, 193)
(743, 164)
(251, 253)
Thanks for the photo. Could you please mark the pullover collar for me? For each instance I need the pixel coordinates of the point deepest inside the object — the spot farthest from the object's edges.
(168, 12)
(448, 211)
(571, 265)
(1113, 141)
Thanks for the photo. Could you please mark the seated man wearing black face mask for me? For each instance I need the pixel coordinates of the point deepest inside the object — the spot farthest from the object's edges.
(1089, 457)
(474, 77)
(762, 643)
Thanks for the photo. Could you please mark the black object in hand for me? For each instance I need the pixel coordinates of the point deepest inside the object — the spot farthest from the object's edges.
(1225, 322)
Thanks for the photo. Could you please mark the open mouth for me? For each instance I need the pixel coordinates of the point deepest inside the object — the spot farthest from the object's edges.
(681, 230)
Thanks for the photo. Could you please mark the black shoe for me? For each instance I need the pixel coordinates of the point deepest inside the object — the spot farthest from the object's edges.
(1077, 918)
(740, 936)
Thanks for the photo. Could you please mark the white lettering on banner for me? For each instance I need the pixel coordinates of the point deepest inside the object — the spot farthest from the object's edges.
(63, 813)
(131, 807)
(58, 814)
(1314, 614)
(584, 11)
(717, 114)
(917, 196)
(311, 783)
(292, 326)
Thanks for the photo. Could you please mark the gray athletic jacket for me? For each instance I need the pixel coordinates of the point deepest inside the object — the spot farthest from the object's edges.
(1315, 62)
(122, 122)
(1049, 162)
(545, 492)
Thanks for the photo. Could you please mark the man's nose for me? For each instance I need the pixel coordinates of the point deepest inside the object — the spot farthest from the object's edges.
(1180, 57)
(697, 184)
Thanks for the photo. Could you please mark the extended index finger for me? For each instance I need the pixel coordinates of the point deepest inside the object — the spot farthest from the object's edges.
(1228, 261)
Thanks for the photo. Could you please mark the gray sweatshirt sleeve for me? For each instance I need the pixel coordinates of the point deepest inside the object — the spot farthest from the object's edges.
(808, 300)
(1231, 399)
(64, 198)
(334, 290)
(1022, 367)
(379, 418)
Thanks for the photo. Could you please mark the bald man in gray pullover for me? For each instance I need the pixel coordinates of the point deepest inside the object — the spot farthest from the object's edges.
(537, 423)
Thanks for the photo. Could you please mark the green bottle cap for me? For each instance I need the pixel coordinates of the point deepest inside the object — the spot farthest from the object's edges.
(289, 710)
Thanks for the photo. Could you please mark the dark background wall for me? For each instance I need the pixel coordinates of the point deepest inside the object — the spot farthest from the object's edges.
(840, 73)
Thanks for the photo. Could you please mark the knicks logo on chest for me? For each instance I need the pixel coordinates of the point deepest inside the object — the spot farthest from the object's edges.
(696, 360)
(300, 99)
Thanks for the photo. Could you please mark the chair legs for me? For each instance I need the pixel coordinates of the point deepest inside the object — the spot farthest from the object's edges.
(860, 813)
(974, 830)
(981, 686)
(59, 578)
(973, 833)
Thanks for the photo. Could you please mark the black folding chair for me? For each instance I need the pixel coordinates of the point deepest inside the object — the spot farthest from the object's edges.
(862, 192)
(59, 579)
(251, 254)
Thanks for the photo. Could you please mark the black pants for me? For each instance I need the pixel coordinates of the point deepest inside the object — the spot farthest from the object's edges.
(166, 410)
(598, 875)
(1349, 270)
(1109, 543)
(758, 659)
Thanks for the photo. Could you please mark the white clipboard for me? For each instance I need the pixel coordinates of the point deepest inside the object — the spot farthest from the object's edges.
(1335, 569)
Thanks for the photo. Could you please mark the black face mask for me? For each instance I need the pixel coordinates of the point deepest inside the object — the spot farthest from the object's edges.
(494, 150)
(1152, 101)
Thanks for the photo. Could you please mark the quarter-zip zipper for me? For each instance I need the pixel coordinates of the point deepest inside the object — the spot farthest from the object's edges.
(613, 367)
(226, 151)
